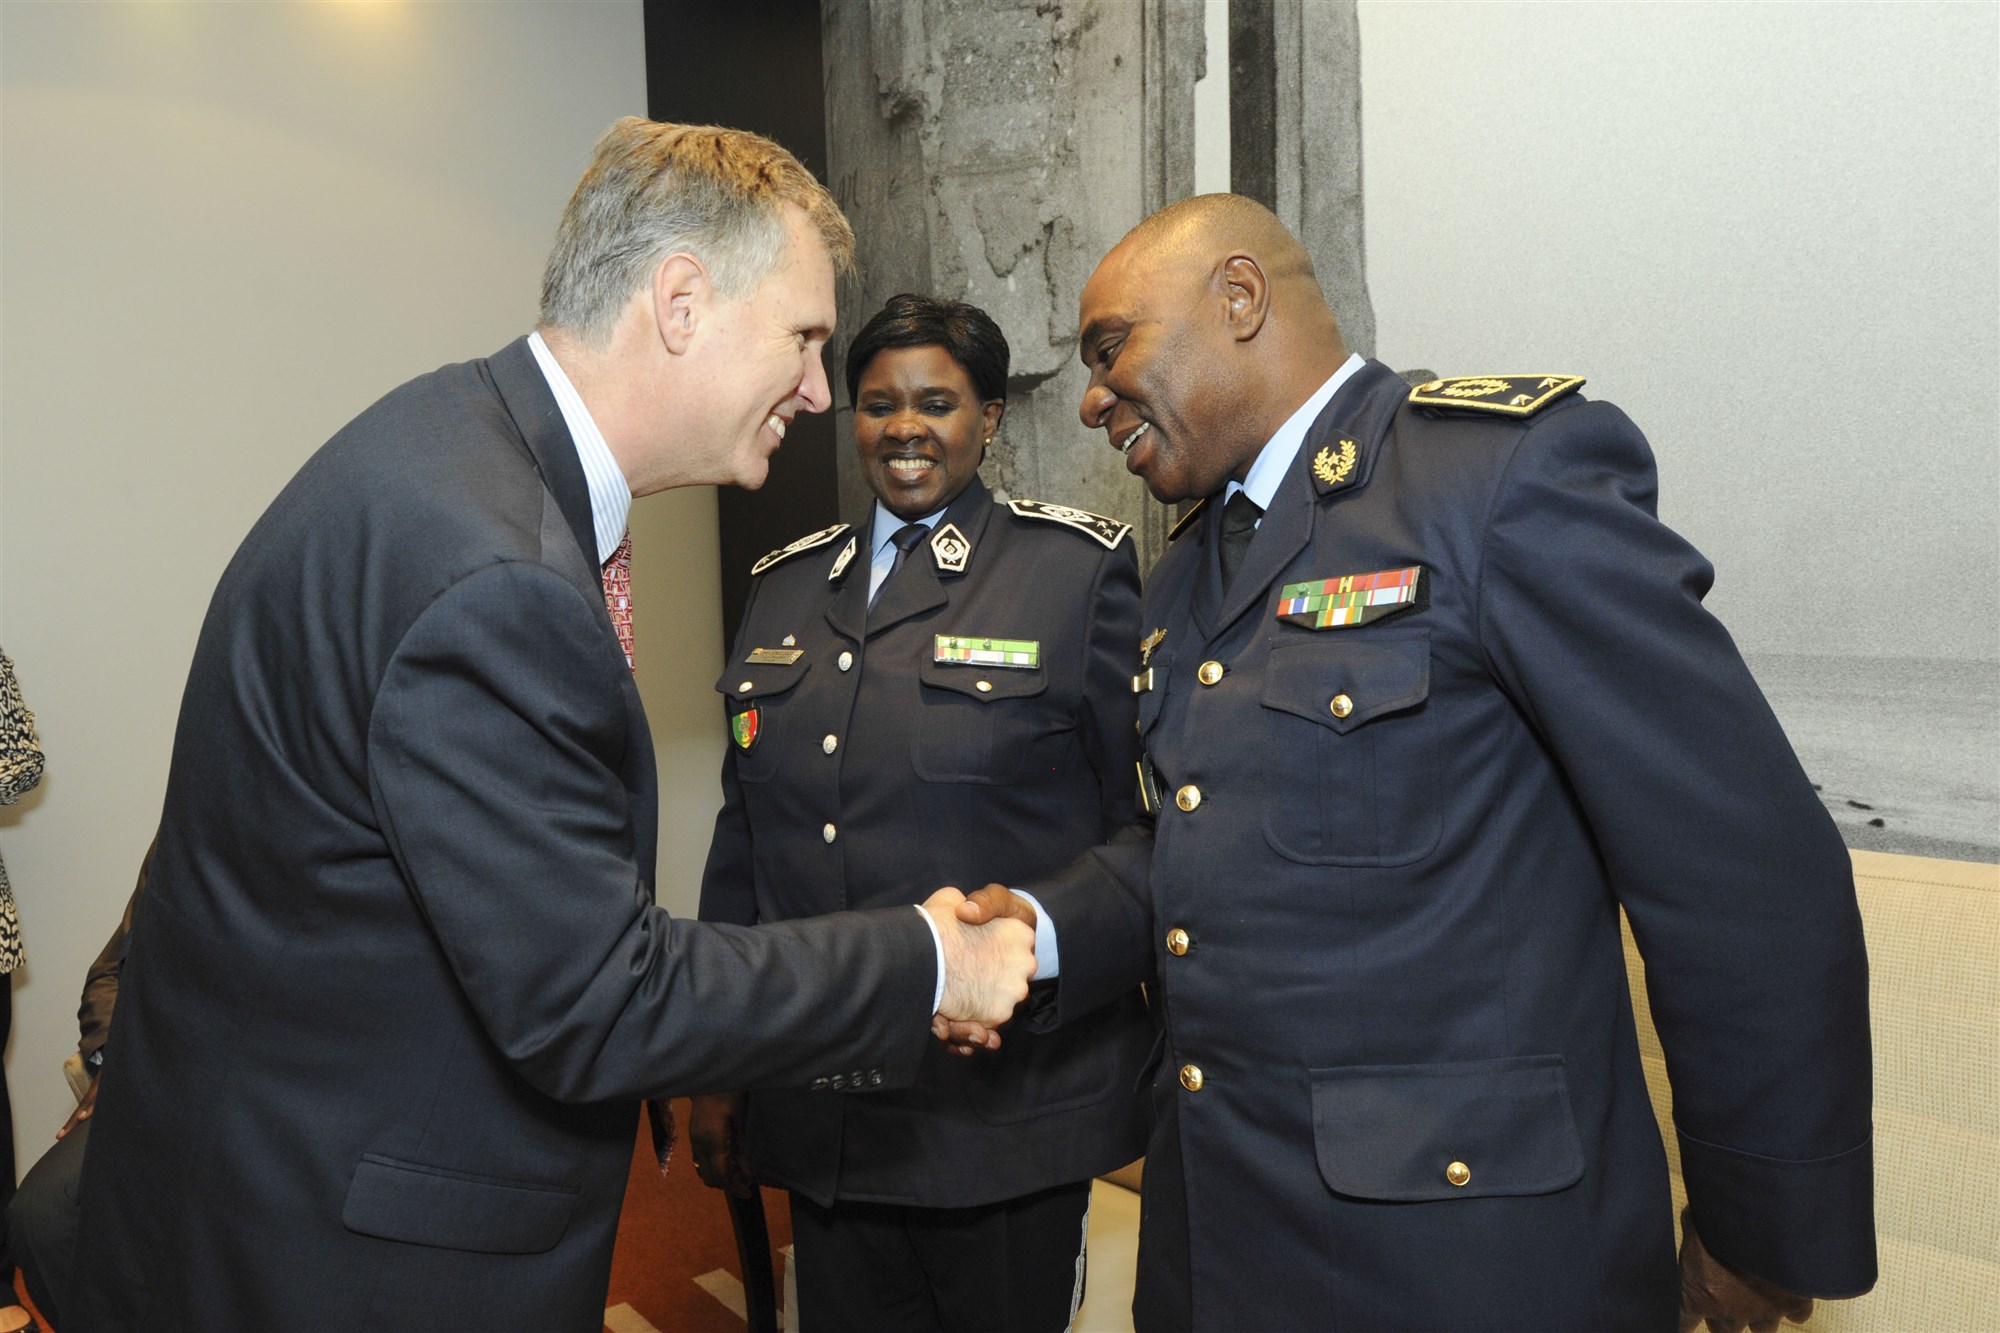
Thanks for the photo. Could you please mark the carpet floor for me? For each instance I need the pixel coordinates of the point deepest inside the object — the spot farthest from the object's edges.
(674, 1269)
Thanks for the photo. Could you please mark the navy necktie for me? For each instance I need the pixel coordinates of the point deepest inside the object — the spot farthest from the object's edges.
(1239, 525)
(906, 539)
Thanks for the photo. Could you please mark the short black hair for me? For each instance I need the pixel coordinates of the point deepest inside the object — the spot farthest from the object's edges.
(914, 320)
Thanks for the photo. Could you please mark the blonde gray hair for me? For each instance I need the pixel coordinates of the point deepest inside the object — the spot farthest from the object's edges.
(653, 189)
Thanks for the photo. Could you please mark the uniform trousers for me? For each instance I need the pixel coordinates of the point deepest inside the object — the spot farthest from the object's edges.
(1010, 1267)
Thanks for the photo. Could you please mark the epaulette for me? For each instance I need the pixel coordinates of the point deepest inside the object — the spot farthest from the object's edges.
(805, 543)
(1106, 530)
(1181, 524)
(1508, 395)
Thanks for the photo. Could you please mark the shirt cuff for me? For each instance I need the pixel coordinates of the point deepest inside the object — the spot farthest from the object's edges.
(937, 942)
(1048, 959)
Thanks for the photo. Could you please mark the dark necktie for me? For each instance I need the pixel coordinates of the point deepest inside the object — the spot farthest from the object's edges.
(1239, 525)
(906, 539)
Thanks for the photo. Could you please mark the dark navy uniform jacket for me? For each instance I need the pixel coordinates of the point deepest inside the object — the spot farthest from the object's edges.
(1381, 900)
(877, 772)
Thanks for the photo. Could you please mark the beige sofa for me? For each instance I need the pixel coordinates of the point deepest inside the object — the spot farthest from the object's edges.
(1934, 964)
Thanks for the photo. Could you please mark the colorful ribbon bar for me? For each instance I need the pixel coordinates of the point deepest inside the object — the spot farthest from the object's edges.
(989, 652)
(1349, 599)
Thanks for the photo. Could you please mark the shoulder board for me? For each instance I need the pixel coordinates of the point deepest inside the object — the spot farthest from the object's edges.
(1506, 395)
(1181, 524)
(1106, 530)
(805, 543)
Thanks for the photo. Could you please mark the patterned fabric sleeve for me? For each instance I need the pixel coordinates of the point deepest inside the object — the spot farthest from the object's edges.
(20, 770)
(20, 751)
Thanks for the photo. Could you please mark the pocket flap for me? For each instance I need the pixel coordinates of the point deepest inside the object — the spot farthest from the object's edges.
(984, 682)
(1402, 1132)
(748, 681)
(1346, 683)
(428, 1205)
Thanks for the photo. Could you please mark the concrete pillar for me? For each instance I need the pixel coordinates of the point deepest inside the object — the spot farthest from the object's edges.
(1295, 138)
(992, 152)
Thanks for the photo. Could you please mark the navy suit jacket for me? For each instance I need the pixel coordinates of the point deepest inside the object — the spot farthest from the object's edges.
(1402, 1087)
(397, 983)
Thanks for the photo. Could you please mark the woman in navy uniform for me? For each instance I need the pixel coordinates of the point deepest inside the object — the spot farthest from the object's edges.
(938, 694)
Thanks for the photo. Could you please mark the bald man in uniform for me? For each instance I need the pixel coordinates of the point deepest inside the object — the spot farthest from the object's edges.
(1427, 694)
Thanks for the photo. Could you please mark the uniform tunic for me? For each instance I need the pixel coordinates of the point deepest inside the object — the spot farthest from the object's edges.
(869, 767)
(1381, 900)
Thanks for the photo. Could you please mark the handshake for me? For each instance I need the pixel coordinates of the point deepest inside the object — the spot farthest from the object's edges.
(989, 958)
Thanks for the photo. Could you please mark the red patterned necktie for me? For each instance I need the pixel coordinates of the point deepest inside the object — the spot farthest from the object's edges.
(618, 594)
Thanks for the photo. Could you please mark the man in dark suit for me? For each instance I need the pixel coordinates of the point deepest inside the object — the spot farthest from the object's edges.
(398, 982)
(1429, 694)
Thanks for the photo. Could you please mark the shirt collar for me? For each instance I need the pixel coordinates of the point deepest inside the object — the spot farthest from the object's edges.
(1275, 459)
(888, 525)
(610, 494)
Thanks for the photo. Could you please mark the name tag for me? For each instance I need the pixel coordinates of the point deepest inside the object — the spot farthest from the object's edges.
(988, 652)
(774, 656)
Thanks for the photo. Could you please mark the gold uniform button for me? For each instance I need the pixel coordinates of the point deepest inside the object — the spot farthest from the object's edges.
(1210, 673)
(827, 833)
(845, 661)
(1341, 705)
(1191, 1077)
(830, 744)
(1177, 941)
(1458, 1173)
(1188, 797)
(746, 687)
(983, 686)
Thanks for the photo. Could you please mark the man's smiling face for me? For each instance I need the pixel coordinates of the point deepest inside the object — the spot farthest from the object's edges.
(1155, 341)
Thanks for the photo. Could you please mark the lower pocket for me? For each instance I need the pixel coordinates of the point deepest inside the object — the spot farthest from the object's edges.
(1446, 1131)
(453, 1210)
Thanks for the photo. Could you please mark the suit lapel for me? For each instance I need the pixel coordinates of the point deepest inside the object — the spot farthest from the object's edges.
(525, 393)
(847, 609)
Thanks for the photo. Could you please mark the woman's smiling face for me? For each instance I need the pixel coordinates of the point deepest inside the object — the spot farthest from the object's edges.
(920, 428)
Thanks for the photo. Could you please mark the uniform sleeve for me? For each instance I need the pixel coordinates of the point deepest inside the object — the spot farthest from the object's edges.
(1109, 708)
(728, 880)
(496, 747)
(1738, 889)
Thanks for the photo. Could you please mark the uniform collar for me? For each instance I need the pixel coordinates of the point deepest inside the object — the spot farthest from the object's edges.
(1275, 458)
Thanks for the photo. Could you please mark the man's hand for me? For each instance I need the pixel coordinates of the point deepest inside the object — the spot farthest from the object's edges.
(995, 900)
(990, 903)
(986, 967)
(82, 1111)
(715, 1122)
(1728, 1300)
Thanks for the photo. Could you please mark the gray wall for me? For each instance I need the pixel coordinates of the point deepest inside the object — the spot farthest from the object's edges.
(224, 230)
(1771, 233)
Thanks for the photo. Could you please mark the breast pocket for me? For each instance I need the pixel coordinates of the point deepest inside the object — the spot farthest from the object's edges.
(758, 698)
(979, 724)
(1352, 742)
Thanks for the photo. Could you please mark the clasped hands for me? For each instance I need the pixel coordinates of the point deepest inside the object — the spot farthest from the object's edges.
(989, 958)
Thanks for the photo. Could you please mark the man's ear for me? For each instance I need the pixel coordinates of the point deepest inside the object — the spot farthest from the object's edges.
(681, 291)
(1246, 295)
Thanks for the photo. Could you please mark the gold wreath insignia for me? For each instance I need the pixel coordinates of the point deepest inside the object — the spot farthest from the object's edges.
(1333, 468)
(1478, 388)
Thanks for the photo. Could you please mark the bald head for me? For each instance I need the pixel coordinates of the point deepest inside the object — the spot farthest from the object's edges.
(1210, 226)
(1204, 329)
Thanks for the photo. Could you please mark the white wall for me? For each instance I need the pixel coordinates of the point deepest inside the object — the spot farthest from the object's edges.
(224, 230)
(1771, 233)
